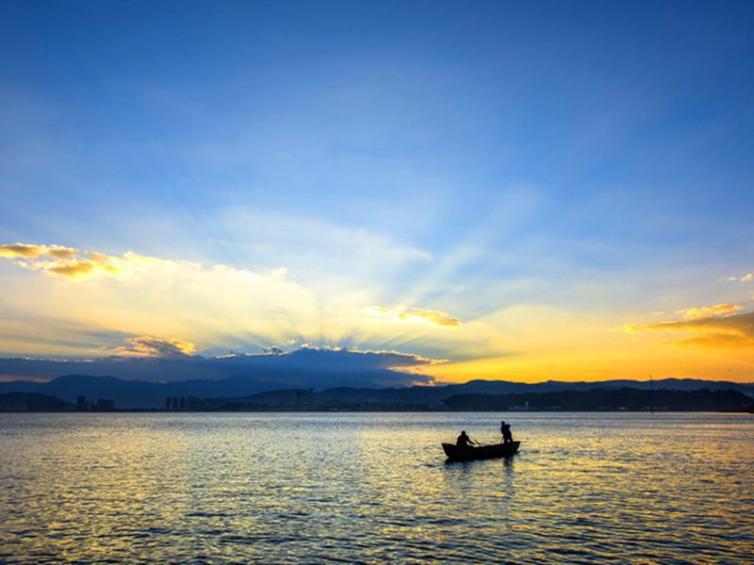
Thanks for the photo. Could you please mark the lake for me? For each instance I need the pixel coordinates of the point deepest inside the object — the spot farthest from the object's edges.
(369, 487)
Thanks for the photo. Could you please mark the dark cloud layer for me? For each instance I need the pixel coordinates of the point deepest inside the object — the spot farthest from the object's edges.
(307, 367)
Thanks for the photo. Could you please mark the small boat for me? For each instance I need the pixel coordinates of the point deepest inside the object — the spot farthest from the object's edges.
(469, 453)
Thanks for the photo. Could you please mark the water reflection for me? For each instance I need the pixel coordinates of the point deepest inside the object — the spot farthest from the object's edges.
(366, 487)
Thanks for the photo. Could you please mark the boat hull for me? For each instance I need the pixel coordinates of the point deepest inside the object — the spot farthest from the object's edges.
(456, 453)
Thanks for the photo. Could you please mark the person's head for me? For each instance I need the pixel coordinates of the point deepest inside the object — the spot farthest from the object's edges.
(463, 432)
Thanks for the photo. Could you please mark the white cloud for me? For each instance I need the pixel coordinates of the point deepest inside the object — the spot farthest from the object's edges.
(222, 308)
(410, 314)
(748, 277)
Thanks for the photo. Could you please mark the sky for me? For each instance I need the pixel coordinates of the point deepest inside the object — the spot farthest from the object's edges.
(498, 190)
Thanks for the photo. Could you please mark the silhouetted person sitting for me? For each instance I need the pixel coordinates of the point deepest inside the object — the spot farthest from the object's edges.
(505, 429)
(463, 440)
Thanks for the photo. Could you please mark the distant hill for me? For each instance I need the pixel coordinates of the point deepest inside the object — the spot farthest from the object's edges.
(504, 387)
(632, 399)
(416, 399)
(30, 402)
(135, 394)
(609, 398)
(306, 367)
(129, 394)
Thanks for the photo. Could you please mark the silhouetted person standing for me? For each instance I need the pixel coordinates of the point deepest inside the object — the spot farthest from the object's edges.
(505, 429)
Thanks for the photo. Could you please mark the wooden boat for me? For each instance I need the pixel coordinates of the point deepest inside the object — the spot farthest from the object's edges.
(456, 453)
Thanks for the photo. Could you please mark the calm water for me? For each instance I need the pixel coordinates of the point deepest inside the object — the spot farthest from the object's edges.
(367, 487)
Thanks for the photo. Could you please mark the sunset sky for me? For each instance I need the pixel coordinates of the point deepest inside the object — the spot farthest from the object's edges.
(557, 190)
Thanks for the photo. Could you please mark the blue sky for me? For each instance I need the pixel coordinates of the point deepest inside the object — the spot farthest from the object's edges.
(505, 163)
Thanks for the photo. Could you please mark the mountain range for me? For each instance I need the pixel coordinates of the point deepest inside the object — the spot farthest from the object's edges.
(135, 394)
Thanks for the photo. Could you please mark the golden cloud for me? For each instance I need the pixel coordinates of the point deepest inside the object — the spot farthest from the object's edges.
(151, 296)
(719, 339)
(435, 317)
(709, 311)
(73, 269)
(149, 346)
(59, 252)
(21, 250)
(68, 262)
(224, 307)
(729, 330)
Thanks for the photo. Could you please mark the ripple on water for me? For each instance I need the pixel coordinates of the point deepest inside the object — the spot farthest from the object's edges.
(374, 487)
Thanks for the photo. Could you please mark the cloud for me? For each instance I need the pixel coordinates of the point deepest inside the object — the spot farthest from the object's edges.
(709, 311)
(721, 339)
(33, 251)
(21, 250)
(224, 308)
(378, 359)
(147, 346)
(71, 269)
(60, 252)
(731, 330)
(403, 313)
(748, 277)
(168, 361)
(67, 262)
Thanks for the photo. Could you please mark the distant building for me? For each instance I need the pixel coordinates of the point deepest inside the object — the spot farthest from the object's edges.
(30, 402)
(82, 404)
(520, 407)
(104, 405)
